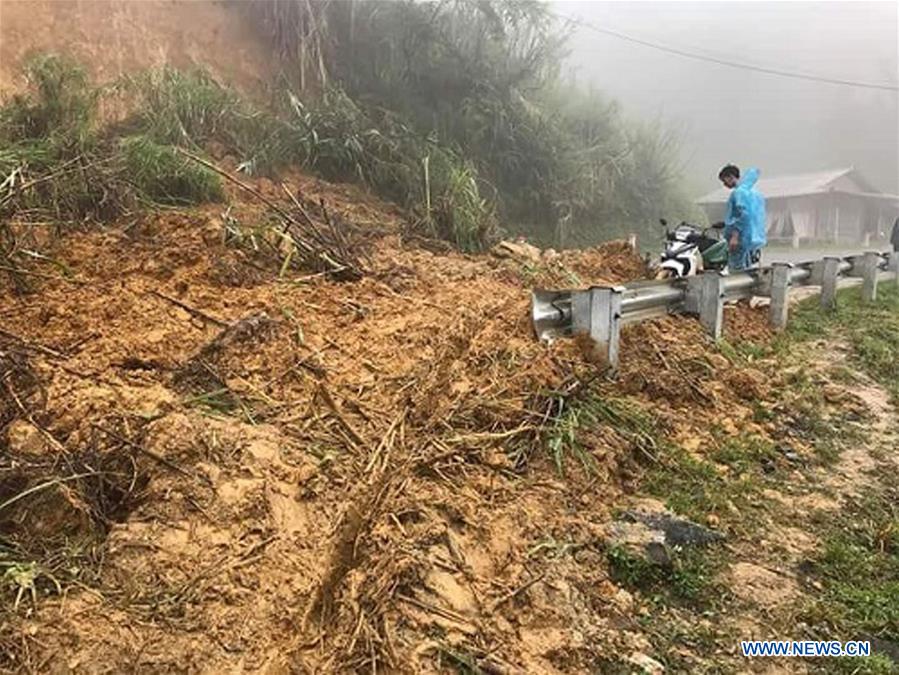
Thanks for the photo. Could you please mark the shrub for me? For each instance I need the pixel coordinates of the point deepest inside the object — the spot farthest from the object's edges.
(164, 176)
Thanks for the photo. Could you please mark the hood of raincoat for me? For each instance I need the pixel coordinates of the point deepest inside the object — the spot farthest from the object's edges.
(750, 178)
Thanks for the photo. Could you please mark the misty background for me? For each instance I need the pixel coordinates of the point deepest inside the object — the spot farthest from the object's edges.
(724, 114)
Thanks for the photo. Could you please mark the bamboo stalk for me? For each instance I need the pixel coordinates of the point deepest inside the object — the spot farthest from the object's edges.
(191, 310)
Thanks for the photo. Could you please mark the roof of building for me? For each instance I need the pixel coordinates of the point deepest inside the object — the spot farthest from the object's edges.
(794, 185)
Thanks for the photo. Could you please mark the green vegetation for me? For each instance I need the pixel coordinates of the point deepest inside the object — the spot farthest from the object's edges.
(59, 107)
(61, 164)
(166, 177)
(689, 579)
(808, 418)
(20, 579)
(859, 568)
(342, 140)
(697, 487)
(876, 664)
(744, 454)
(185, 108)
(744, 351)
(456, 110)
(565, 436)
(589, 411)
(856, 567)
(485, 79)
(872, 330)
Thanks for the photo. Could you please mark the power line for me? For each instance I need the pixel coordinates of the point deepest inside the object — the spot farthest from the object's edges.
(725, 62)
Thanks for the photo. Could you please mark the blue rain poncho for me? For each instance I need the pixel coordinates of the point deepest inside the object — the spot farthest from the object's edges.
(746, 214)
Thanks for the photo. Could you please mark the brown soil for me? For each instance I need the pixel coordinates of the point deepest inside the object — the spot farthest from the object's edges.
(297, 474)
(745, 323)
(113, 38)
(302, 474)
(761, 586)
(350, 475)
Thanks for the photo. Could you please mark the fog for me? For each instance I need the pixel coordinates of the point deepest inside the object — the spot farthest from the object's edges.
(724, 114)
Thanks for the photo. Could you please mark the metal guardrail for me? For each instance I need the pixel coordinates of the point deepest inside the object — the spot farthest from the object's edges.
(601, 311)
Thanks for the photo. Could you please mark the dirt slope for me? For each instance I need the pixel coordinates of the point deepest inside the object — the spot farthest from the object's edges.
(113, 37)
(225, 470)
(322, 485)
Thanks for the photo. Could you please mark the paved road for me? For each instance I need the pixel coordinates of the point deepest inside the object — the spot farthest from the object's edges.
(792, 255)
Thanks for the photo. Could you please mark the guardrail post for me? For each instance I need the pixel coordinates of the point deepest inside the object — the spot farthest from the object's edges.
(830, 274)
(817, 273)
(870, 270)
(780, 291)
(597, 312)
(581, 311)
(711, 303)
(605, 328)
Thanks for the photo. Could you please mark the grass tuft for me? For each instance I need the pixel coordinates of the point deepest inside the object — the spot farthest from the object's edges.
(695, 487)
(164, 176)
(59, 103)
(51, 134)
(872, 330)
(690, 578)
(180, 108)
(587, 412)
(859, 568)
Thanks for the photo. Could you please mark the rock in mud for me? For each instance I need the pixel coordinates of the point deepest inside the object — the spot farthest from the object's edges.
(651, 533)
(640, 541)
(517, 250)
(678, 531)
(790, 454)
(646, 664)
(882, 646)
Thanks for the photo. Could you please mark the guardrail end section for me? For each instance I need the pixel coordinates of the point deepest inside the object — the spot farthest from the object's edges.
(605, 323)
(551, 314)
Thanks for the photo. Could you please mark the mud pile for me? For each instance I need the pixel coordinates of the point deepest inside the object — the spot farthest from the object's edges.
(228, 469)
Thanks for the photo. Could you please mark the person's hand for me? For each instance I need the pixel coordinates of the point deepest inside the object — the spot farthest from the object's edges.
(734, 242)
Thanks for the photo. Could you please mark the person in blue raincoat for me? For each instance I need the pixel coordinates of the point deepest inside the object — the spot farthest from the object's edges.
(744, 220)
